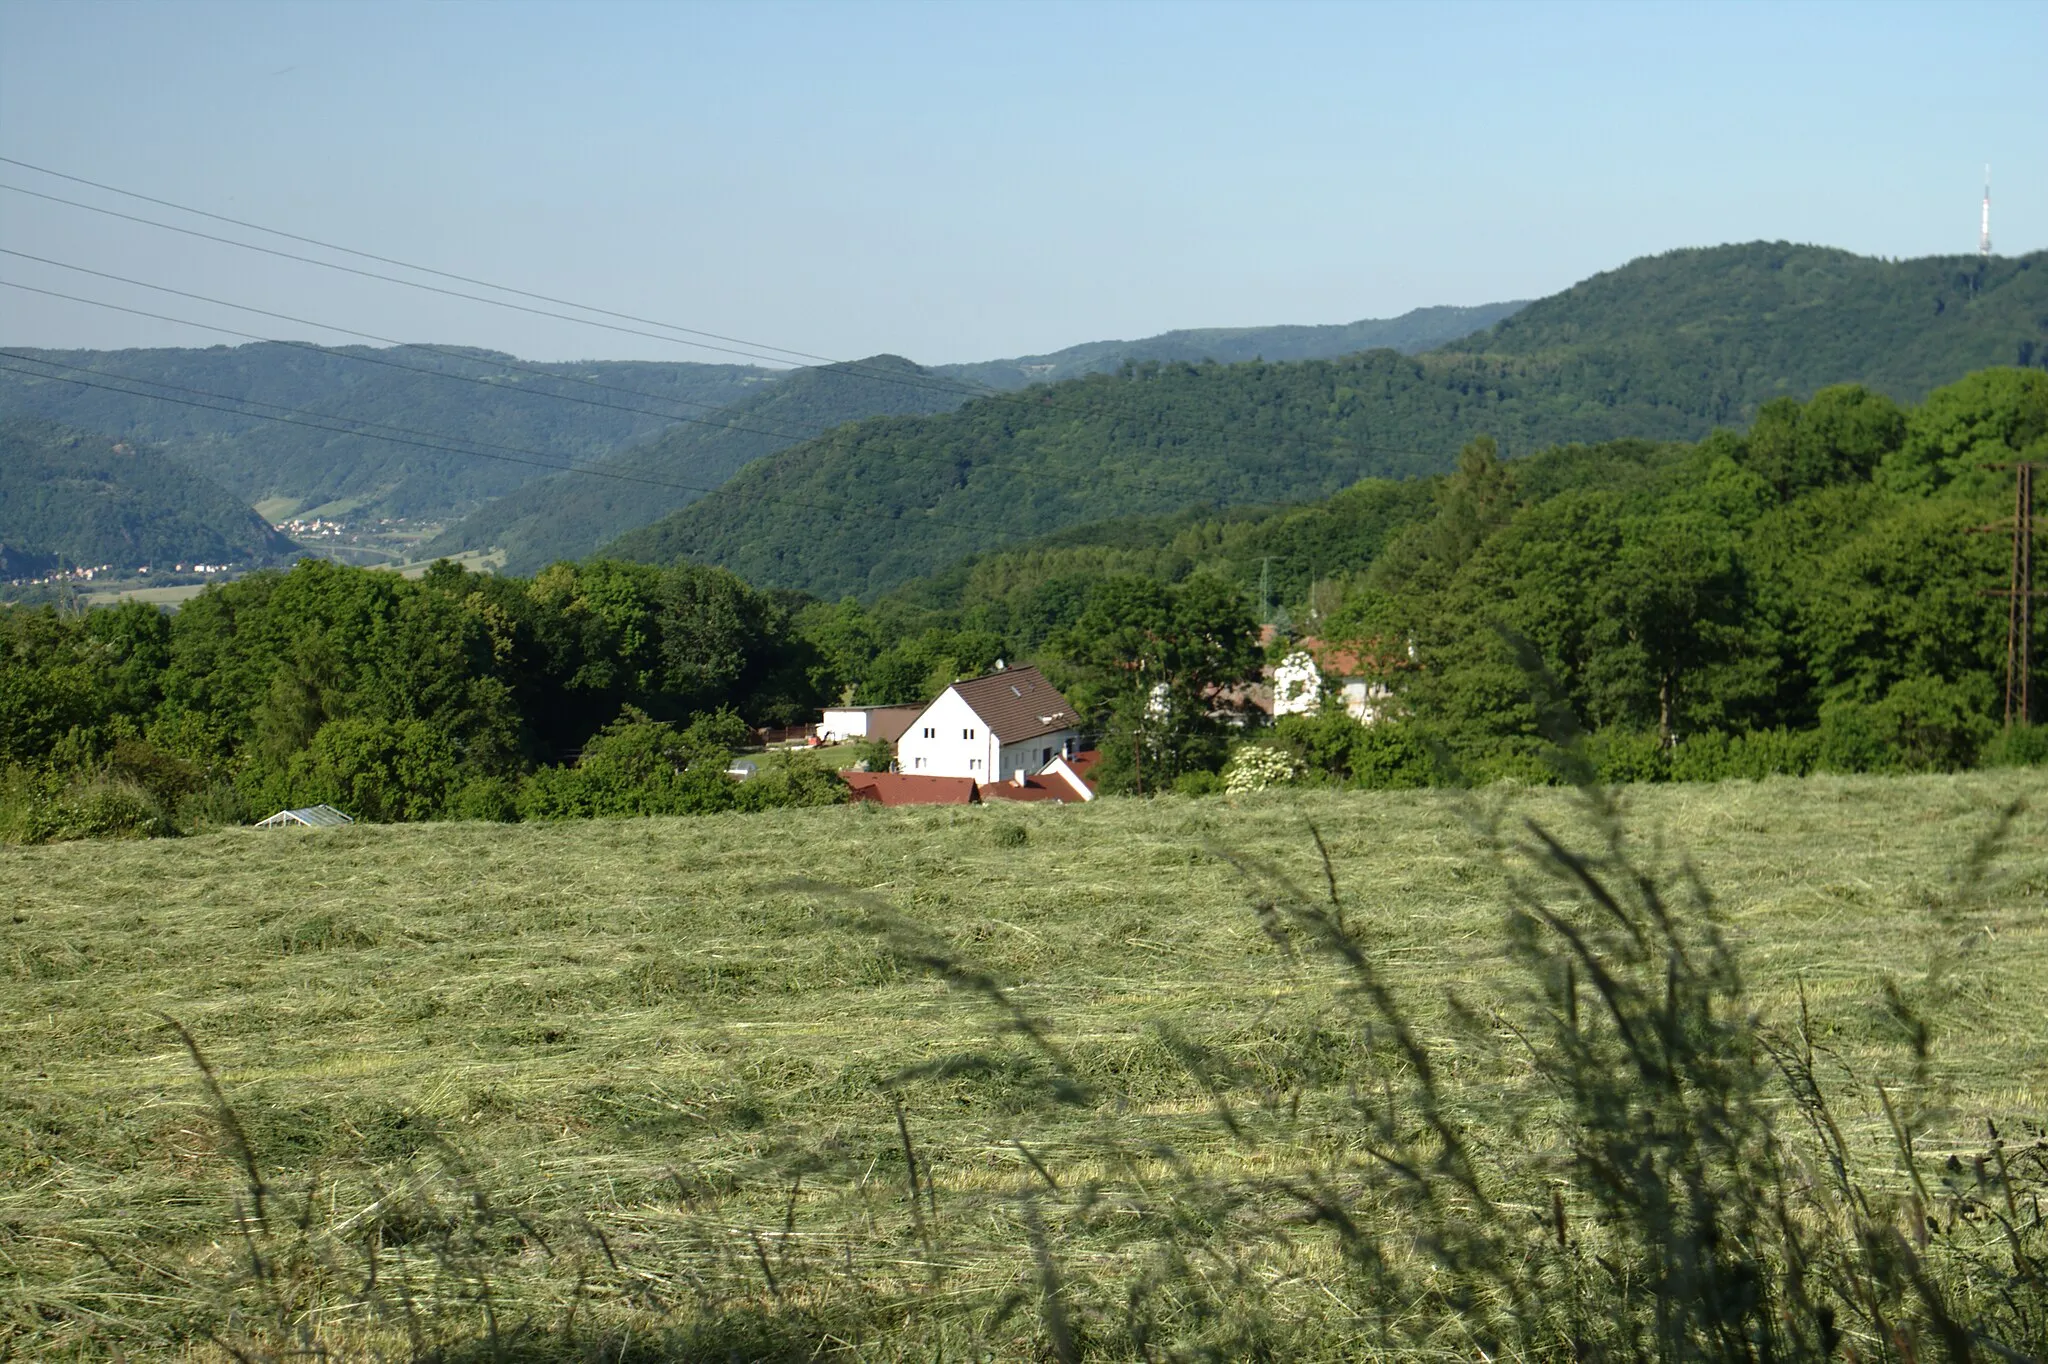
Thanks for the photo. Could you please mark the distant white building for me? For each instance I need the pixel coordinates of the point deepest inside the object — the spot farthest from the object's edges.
(887, 723)
(991, 729)
(1297, 685)
(1304, 677)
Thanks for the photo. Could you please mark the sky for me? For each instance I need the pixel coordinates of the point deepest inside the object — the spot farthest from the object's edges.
(964, 181)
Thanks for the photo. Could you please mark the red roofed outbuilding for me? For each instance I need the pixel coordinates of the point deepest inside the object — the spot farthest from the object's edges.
(907, 788)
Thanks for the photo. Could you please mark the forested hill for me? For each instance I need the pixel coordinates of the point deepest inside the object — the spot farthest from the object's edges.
(69, 499)
(297, 469)
(1285, 557)
(567, 516)
(1419, 329)
(1663, 349)
(1737, 316)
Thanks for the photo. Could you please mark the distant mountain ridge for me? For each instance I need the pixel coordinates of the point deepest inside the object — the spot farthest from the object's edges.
(298, 469)
(567, 516)
(76, 499)
(1417, 330)
(1664, 348)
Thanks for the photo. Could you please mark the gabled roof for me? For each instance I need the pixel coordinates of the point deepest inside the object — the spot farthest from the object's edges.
(1041, 787)
(1083, 763)
(1018, 704)
(910, 788)
(1062, 780)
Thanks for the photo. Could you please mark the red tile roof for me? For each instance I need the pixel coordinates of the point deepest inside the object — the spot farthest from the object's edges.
(1033, 788)
(1344, 661)
(1048, 785)
(1018, 704)
(909, 788)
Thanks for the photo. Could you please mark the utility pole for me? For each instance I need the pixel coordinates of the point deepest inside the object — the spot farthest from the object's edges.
(2019, 593)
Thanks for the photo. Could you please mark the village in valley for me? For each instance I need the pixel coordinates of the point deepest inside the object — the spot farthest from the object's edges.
(1074, 683)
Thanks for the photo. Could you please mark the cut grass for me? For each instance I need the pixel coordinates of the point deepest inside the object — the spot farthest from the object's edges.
(638, 1035)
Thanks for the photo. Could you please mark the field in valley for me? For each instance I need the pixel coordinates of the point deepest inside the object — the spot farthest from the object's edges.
(696, 1088)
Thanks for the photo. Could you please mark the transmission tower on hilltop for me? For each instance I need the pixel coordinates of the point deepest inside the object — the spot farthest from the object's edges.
(1984, 233)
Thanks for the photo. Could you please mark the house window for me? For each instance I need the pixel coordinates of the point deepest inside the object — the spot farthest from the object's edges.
(1045, 755)
(930, 732)
(974, 764)
(920, 762)
(967, 734)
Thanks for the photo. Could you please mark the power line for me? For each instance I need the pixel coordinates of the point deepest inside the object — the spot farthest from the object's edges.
(852, 367)
(1023, 471)
(405, 265)
(926, 381)
(378, 360)
(396, 435)
(791, 436)
(619, 457)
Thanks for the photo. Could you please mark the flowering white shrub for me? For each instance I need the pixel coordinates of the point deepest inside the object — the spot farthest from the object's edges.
(1256, 767)
(1297, 685)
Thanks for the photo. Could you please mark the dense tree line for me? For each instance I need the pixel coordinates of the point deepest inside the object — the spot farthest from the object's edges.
(1805, 595)
(455, 694)
(1417, 330)
(1808, 595)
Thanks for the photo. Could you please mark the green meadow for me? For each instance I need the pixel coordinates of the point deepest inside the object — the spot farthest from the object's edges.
(925, 1083)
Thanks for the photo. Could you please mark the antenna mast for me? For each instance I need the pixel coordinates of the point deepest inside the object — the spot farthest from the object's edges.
(1984, 233)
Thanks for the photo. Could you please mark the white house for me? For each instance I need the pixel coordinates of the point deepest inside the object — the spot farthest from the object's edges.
(990, 729)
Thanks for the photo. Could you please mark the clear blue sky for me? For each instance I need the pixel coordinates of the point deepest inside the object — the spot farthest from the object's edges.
(967, 180)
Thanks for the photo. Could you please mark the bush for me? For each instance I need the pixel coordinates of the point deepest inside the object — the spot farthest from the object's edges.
(1714, 756)
(1258, 766)
(51, 809)
(865, 755)
(378, 770)
(1923, 725)
(217, 805)
(486, 798)
(1625, 756)
(787, 780)
(2021, 746)
(1331, 746)
(1392, 756)
(1198, 784)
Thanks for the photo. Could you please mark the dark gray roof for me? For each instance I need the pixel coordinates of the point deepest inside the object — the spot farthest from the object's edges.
(1018, 704)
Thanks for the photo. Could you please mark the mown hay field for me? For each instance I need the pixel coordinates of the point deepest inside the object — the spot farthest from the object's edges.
(507, 1086)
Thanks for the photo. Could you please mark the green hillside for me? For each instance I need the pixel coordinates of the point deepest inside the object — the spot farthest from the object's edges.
(567, 516)
(1663, 349)
(298, 469)
(1419, 329)
(1274, 554)
(69, 499)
